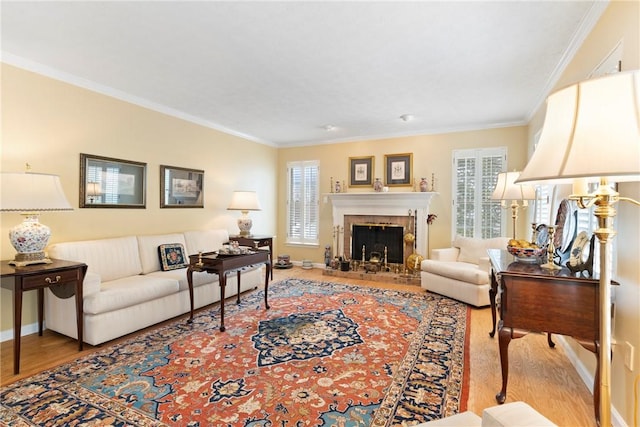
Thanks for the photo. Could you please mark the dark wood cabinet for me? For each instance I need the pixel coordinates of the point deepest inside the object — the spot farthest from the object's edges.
(533, 299)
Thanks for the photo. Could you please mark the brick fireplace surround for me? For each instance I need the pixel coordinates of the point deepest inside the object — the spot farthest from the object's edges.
(380, 208)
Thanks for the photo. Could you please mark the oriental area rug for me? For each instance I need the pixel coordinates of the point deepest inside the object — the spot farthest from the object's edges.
(324, 354)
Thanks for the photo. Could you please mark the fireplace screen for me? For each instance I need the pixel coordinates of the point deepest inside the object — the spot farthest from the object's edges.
(375, 238)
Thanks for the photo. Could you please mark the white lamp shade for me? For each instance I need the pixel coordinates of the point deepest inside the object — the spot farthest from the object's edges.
(244, 201)
(32, 192)
(506, 189)
(591, 130)
(93, 189)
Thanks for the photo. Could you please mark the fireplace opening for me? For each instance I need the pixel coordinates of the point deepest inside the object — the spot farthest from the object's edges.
(375, 238)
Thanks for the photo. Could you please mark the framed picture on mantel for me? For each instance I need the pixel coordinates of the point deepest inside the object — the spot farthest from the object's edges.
(398, 169)
(361, 171)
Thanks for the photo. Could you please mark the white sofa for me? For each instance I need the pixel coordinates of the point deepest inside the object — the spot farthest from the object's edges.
(125, 288)
(508, 415)
(461, 272)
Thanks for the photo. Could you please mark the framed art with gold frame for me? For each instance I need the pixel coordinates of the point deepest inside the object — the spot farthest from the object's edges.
(361, 171)
(398, 169)
(181, 187)
(106, 182)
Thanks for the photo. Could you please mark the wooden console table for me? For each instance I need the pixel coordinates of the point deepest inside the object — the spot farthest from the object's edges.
(213, 263)
(57, 275)
(256, 241)
(535, 299)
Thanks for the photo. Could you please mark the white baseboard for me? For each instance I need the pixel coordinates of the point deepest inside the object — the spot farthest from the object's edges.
(25, 330)
(587, 377)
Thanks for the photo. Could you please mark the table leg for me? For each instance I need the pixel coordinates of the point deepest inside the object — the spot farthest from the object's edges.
(190, 282)
(238, 301)
(266, 284)
(596, 384)
(17, 324)
(80, 308)
(492, 298)
(40, 310)
(550, 341)
(223, 285)
(271, 257)
(504, 338)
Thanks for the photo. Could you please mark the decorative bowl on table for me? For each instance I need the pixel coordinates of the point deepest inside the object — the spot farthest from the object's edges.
(526, 252)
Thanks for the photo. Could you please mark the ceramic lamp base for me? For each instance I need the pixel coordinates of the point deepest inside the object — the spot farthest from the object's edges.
(29, 240)
(244, 224)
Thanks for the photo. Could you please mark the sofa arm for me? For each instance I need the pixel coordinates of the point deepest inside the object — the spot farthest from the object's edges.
(484, 264)
(445, 254)
(91, 284)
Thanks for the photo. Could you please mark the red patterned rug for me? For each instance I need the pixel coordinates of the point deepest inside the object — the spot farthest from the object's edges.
(325, 354)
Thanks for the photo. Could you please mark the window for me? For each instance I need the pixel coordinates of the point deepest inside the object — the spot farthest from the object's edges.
(542, 203)
(303, 202)
(475, 176)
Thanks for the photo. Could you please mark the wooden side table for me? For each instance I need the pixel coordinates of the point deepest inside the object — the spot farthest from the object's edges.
(58, 275)
(256, 241)
(535, 299)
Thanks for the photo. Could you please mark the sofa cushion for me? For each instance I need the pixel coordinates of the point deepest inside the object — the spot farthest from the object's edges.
(112, 259)
(472, 249)
(205, 240)
(199, 277)
(149, 249)
(514, 414)
(172, 256)
(463, 419)
(463, 271)
(127, 292)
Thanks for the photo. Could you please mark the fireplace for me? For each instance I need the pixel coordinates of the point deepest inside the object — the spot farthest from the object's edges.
(386, 240)
(381, 209)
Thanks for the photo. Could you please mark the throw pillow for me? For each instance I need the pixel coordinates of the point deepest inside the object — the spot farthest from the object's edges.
(471, 249)
(172, 256)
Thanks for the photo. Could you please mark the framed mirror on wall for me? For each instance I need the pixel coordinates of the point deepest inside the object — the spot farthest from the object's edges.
(181, 187)
(106, 182)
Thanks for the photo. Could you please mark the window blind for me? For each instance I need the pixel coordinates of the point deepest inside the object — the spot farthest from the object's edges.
(475, 176)
(303, 202)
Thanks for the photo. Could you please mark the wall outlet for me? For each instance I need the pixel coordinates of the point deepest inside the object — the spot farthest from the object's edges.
(628, 355)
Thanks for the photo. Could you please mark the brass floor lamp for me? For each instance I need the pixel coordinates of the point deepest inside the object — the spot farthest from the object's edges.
(591, 133)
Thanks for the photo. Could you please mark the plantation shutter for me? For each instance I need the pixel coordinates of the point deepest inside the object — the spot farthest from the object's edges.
(303, 205)
(475, 176)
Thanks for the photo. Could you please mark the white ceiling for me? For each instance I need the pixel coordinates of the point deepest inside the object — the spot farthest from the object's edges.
(281, 72)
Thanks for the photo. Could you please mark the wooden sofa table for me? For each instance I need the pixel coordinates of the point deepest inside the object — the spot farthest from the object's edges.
(59, 276)
(222, 265)
(535, 299)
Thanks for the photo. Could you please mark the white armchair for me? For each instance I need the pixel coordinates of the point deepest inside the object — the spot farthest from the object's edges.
(461, 271)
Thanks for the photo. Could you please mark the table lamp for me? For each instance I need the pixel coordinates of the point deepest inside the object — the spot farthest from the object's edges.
(506, 190)
(30, 194)
(93, 191)
(592, 131)
(244, 201)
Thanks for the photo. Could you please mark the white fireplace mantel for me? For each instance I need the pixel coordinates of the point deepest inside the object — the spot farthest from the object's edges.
(390, 204)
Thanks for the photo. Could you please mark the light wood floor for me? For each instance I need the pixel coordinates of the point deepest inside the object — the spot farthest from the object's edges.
(541, 376)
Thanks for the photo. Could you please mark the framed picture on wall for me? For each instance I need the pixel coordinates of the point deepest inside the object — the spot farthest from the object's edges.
(181, 187)
(361, 171)
(397, 171)
(106, 182)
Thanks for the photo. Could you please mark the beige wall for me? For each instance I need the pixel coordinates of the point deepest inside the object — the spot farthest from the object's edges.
(620, 22)
(48, 124)
(432, 154)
